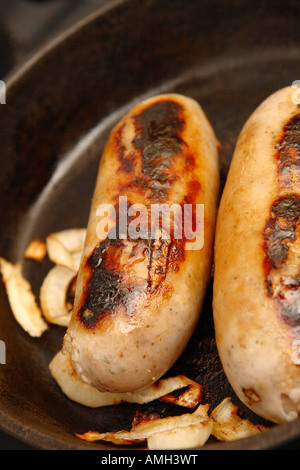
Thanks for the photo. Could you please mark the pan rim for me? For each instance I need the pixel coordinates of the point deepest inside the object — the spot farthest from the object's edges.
(32, 58)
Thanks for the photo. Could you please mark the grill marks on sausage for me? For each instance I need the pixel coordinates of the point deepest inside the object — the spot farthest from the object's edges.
(164, 255)
(103, 290)
(288, 154)
(109, 288)
(157, 143)
(148, 164)
(125, 160)
(114, 284)
(282, 230)
(158, 130)
(281, 267)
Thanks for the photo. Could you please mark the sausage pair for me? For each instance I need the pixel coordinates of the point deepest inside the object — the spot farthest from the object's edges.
(138, 298)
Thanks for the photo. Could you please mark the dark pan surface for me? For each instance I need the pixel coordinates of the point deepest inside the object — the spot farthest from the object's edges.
(59, 110)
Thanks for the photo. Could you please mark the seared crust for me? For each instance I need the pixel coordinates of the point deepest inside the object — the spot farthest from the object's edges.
(257, 264)
(138, 300)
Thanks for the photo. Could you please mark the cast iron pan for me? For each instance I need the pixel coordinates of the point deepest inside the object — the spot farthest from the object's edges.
(60, 107)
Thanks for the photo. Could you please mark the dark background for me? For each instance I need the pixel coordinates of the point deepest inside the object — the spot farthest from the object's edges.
(25, 25)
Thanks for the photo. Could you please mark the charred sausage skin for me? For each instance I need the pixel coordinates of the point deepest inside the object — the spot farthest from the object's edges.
(256, 298)
(138, 300)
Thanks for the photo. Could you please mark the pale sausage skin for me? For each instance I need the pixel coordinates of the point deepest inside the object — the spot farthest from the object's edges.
(256, 296)
(138, 301)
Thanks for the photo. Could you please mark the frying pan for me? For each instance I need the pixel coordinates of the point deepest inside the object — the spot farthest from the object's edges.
(60, 107)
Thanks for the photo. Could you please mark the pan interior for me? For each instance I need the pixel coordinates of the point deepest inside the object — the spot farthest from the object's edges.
(228, 86)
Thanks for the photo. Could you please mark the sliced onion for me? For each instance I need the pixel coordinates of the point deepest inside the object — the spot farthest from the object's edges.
(21, 299)
(186, 431)
(185, 437)
(189, 398)
(76, 259)
(36, 250)
(145, 429)
(65, 247)
(73, 239)
(63, 372)
(53, 295)
(229, 426)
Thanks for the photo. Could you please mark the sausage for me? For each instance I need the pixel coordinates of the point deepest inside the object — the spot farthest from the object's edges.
(256, 296)
(139, 292)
